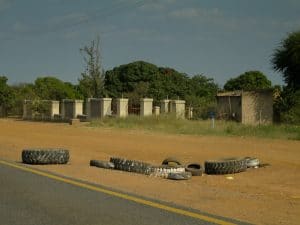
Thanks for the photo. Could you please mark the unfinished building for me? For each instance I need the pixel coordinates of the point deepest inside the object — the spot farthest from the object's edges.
(247, 107)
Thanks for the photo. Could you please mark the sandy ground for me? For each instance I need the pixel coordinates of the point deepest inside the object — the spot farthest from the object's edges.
(269, 195)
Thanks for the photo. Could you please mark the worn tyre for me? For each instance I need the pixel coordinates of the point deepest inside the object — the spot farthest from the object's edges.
(252, 162)
(45, 156)
(131, 165)
(225, 166)
(102, 164)
(179, 176)
(194, 168)
(171, 161)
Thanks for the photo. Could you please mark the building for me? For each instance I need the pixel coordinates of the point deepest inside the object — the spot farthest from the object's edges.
(247, 107)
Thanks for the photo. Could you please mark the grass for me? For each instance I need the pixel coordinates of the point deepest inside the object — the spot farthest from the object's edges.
(171, 125)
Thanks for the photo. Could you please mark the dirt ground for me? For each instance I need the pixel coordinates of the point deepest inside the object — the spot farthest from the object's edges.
(269, 195)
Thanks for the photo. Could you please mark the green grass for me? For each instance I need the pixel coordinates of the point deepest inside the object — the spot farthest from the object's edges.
(171, 125)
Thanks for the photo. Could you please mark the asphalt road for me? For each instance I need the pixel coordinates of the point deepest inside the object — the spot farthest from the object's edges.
(30, 199)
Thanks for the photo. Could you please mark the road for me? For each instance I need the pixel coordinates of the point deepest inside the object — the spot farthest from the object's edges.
(32, 199)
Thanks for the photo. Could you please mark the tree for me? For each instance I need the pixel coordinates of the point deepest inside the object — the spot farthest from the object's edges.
(51, 88)
(91, 82)
(6, 96)
(286, 59)
(251, 80)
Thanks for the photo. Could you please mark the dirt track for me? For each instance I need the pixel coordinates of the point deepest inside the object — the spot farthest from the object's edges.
(268, 195)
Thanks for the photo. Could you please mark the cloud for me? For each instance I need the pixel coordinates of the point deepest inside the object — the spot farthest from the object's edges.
(69, 19)
(192, 13)
(5, 4)
(19, 27)
(158, 5)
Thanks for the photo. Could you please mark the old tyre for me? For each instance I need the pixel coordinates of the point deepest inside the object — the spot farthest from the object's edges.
(179, 176)
(252, 162)
(45, 156)
(225, 166)
(102, 164)
(194, 168)
(171, 161)
(131, 165)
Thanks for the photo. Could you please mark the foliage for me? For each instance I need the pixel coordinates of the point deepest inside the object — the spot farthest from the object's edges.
(287, 106)
(21, 93)
(251, 80)
(201, 95)
(286, 59)
(6, 96)
(141, 79)
(51, 88)
(91, 83)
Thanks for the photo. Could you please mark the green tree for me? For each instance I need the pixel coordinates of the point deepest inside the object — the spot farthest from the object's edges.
(141, 79)
(6, 96)
(286, 59)
(251, 80)
(91, 82)
(22, 92)
(202, 95)
(51, 88)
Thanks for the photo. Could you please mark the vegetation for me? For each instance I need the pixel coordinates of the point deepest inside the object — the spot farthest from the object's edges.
(91, 83)
(286, 59)
(6, 96)
(251, 80)
(167, 124)
(141, 79)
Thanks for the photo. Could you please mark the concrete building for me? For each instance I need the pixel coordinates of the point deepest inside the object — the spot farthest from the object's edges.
(247, 107)
(146, 106)
(70, 108)
(122, 107)
(177, 107)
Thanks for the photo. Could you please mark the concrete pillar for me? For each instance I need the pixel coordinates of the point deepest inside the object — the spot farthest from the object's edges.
(165, 106)
(71, 108)
(156, 110)
(27, 111)
(88, 108)
(54, 110)
(78, 108)
(178, 108)
(106, 107)
(146, 105)
(122, 107)
(190, 113)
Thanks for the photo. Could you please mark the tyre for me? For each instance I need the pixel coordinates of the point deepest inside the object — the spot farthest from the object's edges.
(225, 166)
(131, 165)
(179, 176)
(45, 156)
(171, 161)
(252, 162)
(102, 164)
(194, 168)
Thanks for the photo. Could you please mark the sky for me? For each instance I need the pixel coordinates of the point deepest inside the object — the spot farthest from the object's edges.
(219, 39)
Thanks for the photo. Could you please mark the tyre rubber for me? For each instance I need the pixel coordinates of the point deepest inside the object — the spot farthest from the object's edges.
(194, 168)
(45, 156)
(225, 166)
(102, 164)
(171, 161)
